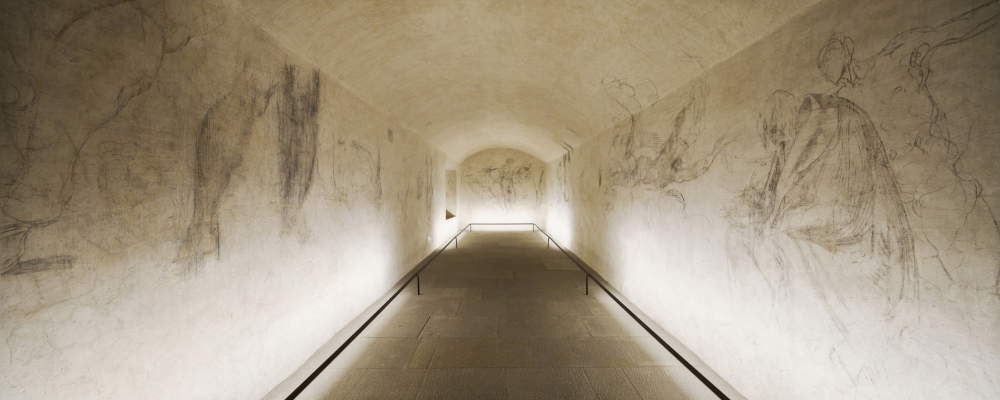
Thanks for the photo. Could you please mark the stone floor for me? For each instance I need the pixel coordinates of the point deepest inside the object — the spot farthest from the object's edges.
(502, 317)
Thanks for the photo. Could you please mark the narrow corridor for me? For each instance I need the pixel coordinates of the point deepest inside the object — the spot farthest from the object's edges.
(503, 317)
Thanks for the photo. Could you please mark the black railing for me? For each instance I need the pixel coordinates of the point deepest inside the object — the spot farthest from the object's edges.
(589, 275)
(415, 273)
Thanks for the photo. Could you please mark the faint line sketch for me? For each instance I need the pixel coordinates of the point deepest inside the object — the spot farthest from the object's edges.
(629, 98)
(501, 184)
(358, 172)
(830, 184)
(540, 187)
(132, 174)
(657, 160)
(562, 175)
(223, 136)
(893, 86)
(831, 194)
(298, 129)
(425, 186)
(47, 124)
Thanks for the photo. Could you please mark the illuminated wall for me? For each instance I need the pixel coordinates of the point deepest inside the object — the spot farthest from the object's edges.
(188, 210)
(451, 190)
(816, 217)
(501, 185)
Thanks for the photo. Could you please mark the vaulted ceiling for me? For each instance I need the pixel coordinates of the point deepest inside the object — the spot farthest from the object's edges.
(536, 75)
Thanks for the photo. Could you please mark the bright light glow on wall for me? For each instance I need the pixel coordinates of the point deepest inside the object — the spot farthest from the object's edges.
(444, 230)
(559, 224)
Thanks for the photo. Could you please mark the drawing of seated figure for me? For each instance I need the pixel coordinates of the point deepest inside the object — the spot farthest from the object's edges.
(929, 135)
(64, 87)
(830, 190)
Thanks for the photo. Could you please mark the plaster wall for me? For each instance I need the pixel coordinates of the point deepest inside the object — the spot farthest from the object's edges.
(188, 210)
(451, 190)
(816, 217)
(501, 185)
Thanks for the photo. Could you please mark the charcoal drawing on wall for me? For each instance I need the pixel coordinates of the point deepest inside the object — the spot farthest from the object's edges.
(855, 223)
(357, 172)
(830, 185)
(157, 158)
(500, 184)
(223, 136)
(899, 80)
(657, 159)
(832, 188)
(43, 134)
(562, 175)
(298, 129)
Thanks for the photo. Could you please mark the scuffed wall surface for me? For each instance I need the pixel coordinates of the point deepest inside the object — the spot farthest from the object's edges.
(817, 217)
(188, 211)
(501, 185)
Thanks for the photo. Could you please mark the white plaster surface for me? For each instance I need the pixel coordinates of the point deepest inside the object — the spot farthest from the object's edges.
(195, 195)
(188, 211)
(815, 217)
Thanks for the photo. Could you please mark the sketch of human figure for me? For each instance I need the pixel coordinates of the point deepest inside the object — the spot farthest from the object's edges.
(659, 160)
(830, 185)
(298, 131)
(501, 182)
(357, 172)
(68, 84)
(562, 175)
(504, 181)
(893, 87)
(223, 135)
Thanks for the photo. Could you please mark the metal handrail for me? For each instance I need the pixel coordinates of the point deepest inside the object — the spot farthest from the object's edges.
(415, 273)
(590, 275)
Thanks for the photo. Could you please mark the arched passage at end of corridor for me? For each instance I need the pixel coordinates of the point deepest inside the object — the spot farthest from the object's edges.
(501, 185)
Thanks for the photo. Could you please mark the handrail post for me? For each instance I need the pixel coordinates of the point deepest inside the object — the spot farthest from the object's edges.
(586, 284)
(418, 285)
